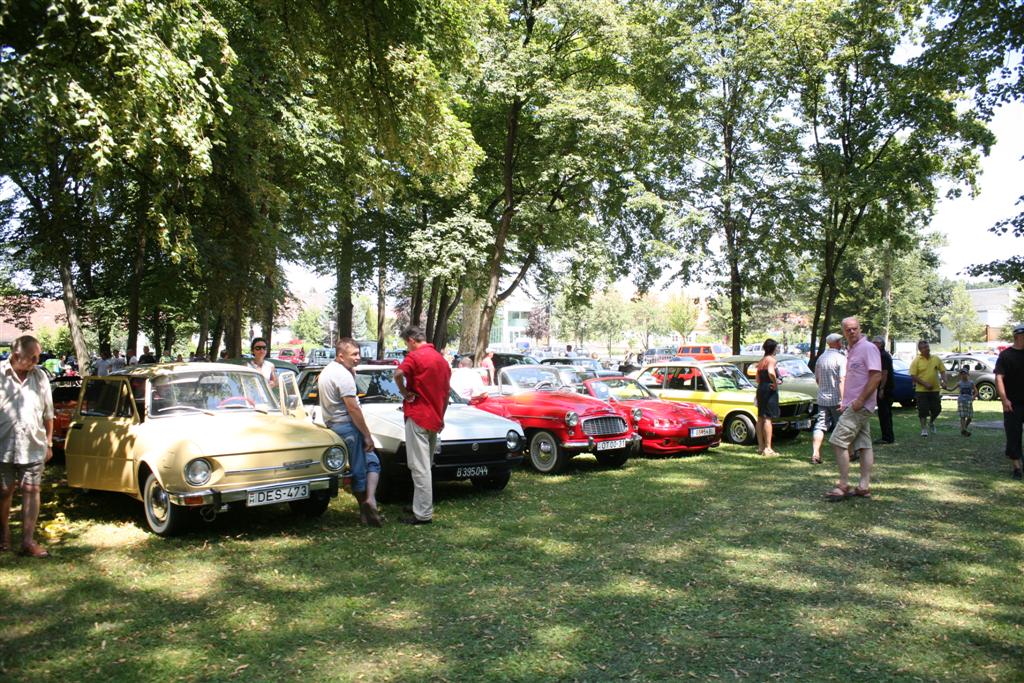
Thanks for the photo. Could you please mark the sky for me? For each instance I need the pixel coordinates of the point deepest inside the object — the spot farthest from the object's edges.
(964, 221)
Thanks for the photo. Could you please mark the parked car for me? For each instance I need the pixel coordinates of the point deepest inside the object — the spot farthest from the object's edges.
(294, 356)
(981, 368)
(658, 354)
(728, 393)
(592, 365)
(201, 437)
(558, 422)
(793, 371)
(665, 427)
(697, 351)
(321, 356)
(500, 360)
(903, 386)
(473, 445)
(64, 391)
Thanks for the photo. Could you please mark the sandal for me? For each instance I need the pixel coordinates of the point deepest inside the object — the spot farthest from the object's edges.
(369, 515)
(862, 493)
(816, 461)
(839, 492)
(33, 549)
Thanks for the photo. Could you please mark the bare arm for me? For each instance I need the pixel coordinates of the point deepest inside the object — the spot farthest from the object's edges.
(402, 387)
(49, 439)
(1001, 390)
(356, 414)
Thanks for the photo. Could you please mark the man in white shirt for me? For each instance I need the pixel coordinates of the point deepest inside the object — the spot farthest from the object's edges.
(117, 362)
(26, 439)
(466, 381)
(101, 367)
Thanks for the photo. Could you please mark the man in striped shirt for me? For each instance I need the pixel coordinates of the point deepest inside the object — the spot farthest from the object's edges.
(830, 373)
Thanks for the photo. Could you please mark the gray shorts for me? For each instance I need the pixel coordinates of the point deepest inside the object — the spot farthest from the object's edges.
(826, 419)
(25, 475)
(853, 430)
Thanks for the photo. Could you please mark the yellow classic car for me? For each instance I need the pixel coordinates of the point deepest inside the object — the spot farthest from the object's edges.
(723, 388)
(198, 439)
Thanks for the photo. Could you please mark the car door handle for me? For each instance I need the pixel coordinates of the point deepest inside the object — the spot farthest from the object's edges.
(77, 425)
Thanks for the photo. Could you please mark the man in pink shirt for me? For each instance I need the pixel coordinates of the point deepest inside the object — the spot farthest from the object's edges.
(853, 431)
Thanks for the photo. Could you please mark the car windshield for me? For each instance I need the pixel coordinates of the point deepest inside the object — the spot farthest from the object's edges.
(621, 389)
(898, 364)
(794, 367)
(377, 386)
(726, 377)
(208, 392)
(530, 376)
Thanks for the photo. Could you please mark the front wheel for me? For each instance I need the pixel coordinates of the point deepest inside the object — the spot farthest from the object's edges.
(614, 459)
(495, 482)
(546, 456)
(740, 429)
(163, 517)
(986, 391)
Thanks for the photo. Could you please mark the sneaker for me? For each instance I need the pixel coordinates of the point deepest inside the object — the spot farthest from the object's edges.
(1016, 475)
(932, 429)
(964, 432)
(924, 432)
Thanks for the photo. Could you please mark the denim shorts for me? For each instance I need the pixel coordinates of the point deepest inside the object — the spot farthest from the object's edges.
(359, 460)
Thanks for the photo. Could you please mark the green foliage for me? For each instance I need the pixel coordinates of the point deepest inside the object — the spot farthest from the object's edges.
(55, 340)
(961, 319)
(682, 314)
(1015, 315)
(610, 318)
(309, 325)
(649, 318)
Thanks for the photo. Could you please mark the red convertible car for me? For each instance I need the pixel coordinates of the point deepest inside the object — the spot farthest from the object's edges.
(559, 422)
(666, 427)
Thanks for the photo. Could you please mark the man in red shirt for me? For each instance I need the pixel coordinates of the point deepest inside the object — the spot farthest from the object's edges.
(423, 379)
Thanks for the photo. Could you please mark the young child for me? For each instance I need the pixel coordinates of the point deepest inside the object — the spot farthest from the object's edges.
(965, 401)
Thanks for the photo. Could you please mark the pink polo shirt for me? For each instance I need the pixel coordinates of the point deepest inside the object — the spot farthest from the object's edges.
(861, 359)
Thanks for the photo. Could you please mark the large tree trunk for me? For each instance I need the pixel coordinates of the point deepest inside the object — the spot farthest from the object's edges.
(887, 264)
(381, 310)
(218, 330)
(471, 309)
(269, 309)
(135, 290)
(416, 303)
(157, 327)
(74, 322)
(204, 327)
(343, 293)
(432, 307)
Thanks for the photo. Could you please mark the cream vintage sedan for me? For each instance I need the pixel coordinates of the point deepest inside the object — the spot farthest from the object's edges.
(205, 438)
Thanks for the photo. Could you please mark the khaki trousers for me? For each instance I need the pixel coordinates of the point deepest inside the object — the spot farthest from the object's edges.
(419, 456)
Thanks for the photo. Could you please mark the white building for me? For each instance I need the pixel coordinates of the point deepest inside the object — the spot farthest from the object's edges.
(992, 304)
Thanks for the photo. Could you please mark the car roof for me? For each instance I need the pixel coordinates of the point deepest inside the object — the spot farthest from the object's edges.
(161, 369)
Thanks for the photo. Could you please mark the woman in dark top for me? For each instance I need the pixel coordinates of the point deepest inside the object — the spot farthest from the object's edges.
(767, 397)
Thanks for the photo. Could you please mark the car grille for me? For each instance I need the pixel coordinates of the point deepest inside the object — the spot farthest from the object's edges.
(794, 409)
(599, 426)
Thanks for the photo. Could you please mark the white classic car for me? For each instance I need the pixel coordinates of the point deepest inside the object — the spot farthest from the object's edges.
(473, 444)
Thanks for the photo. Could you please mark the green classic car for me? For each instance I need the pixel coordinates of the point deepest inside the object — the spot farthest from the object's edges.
(722, 387)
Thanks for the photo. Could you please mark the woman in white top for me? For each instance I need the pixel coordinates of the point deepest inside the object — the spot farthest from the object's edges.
(260, 362)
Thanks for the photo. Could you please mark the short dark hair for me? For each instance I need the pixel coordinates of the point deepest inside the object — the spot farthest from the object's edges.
(414, 332)
(769, 346)
(257, 340)
(346, 342)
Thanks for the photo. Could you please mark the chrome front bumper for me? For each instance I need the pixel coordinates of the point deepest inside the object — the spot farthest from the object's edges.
(590, 443)
(213, 497)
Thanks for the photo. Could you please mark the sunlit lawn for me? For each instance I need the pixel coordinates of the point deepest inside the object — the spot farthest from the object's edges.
(720, 566)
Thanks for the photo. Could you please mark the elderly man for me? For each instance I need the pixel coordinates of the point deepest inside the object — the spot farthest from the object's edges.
(926, 372)
(339, 405)
(26, 440)
(853, 430)
(885, 389)
(423, 379)
(467, 382)
(1010, 385)
(830, 373)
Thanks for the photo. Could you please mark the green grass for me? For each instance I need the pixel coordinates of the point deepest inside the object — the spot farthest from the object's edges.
(720, 566)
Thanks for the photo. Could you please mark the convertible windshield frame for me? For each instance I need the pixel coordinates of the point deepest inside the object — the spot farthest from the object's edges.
(209, 392)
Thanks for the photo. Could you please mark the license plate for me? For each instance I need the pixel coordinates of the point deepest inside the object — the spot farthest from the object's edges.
(803, 424)
(702, 431)
(280, 494)
(611, 445)
(478, 471)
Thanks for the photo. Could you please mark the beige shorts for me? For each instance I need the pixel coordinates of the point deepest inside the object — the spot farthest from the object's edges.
(25, 475)
(853, 429)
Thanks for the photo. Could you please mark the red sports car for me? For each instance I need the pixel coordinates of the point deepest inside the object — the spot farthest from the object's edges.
(666, 427)
(559, 422)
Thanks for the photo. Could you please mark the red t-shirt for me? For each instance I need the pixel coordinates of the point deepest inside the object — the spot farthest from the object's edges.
(427, 374)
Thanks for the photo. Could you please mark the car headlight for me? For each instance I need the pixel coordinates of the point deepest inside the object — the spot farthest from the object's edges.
(572, 419)
(334, 458)
(512, 440)
(637, 414)
(198, 472)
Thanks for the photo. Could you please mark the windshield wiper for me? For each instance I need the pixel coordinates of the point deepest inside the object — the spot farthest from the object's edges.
(379, 399)
(183, 406)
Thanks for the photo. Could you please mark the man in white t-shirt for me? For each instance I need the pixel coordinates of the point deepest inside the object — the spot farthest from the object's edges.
(101, 367)
(117, 362)
(339, 406)
(465, 381)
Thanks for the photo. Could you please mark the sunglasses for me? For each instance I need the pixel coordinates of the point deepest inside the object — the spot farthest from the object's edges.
(259, 348)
